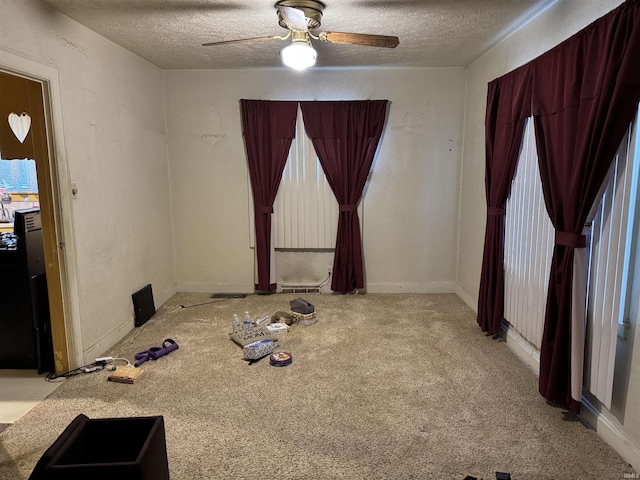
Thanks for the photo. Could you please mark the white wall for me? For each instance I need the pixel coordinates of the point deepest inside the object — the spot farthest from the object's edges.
(114, 138)
(410, 209)
(560, 21)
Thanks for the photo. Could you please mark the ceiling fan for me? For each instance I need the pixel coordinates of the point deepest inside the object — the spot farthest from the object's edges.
(300, 18)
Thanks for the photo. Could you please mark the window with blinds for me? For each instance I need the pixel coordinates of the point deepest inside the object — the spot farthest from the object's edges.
(305, 212)
(610, 247)
(528, 247)
(529, 237)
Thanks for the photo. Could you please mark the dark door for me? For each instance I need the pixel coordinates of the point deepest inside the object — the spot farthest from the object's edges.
(24, 294)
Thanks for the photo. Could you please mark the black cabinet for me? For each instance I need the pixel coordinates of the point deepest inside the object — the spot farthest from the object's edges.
(25, 324)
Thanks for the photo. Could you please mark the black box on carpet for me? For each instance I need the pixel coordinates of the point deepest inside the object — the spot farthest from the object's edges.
(107, 448)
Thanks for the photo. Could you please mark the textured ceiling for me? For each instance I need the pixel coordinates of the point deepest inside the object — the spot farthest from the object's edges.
(433, 33)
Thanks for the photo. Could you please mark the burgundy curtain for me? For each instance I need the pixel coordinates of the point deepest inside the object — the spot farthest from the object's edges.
(508, 106)
(585, 94)
(345, 136)
(268, 128)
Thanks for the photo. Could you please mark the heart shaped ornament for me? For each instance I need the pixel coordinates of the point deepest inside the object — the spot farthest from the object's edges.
(20, 125)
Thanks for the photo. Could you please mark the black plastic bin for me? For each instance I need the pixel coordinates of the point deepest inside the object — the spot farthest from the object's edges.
(107, 448)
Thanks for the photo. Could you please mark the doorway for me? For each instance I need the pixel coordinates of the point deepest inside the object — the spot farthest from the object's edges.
(25, 135)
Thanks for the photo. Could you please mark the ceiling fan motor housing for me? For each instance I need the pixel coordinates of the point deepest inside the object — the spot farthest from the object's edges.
(312, 11)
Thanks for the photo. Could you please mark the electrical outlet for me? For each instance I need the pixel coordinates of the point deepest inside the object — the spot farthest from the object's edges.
(329, 270)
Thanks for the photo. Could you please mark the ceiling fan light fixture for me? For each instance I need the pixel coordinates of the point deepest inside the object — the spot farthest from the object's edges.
(299, 55)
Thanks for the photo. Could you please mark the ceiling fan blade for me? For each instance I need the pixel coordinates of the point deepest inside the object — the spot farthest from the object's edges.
(243, 40)
(293, 18)
(385, 41)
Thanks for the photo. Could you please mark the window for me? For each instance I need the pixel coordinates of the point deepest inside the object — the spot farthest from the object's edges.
(18, 189)
(18, 176)
(529, 238)
(528, 246)
(305, 212)
(610, 246)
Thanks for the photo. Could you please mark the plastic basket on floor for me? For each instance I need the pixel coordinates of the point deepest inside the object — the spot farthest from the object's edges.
(304, 319)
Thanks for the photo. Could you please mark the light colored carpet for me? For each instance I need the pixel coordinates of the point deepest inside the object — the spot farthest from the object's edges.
(383, 386)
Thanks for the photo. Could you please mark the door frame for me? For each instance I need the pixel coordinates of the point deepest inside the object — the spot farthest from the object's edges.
(59, 243)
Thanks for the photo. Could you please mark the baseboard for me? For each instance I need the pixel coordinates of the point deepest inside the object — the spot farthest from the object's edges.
(428, 287)
(527, 352)
(118, 333)
(520, 346)
(214, 287)
(106, 342)
(467, 298)
(166, 294)
(611, 433)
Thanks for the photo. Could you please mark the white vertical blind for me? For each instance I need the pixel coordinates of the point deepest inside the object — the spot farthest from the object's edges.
(528, 248)
(607, 280)
(306, 210)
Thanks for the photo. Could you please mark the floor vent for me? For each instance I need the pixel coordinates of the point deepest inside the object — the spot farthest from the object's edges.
(300, 290)
(228, 295)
